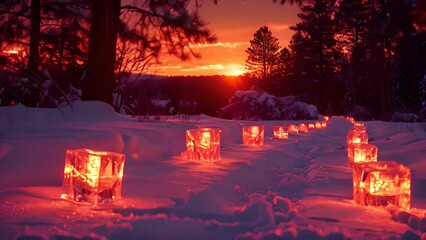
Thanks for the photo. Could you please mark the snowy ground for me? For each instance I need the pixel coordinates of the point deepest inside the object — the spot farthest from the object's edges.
(299, 188)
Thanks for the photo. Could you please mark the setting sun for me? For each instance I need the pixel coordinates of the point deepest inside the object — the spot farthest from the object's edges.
(234, 70)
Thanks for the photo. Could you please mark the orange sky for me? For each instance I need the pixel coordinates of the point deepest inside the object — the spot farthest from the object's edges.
(233, 22)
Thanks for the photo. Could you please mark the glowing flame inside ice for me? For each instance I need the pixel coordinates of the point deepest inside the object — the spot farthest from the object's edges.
(255, 131)
(205, 139)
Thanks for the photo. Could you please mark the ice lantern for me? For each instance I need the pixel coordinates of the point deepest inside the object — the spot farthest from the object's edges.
(303, 127)
(280, 132)
(93, 177)
(357, 135)
(318, 125)
(382, 183)
(203, 144)
(362, 153)
(253, 135)
(293, 129)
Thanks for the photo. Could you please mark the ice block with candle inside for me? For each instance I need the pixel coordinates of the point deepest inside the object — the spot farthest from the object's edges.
(382, 183)
(253, 135)
(93, 176)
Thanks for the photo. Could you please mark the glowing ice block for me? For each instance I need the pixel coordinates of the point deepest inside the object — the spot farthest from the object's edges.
(253, 135)
(280, 132)
(318, 125)
(303, 127)
(357, 135)
(362, 152)
(293, 129)
(203, 144)
(382, 183)
(93, 177)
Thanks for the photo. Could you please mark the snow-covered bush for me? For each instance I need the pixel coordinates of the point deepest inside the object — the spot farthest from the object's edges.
(360, 113)
(256, 104)
(404, 117)
(33, 90)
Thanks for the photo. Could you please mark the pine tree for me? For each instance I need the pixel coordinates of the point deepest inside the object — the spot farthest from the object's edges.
(156, 27)
(159, 26)
(352, 17)
(371, 31)
(37, 27)
(262, 60)
(317, 31)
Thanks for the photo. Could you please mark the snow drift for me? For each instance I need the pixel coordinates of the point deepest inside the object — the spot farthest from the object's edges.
(300, 188)
(256, 104)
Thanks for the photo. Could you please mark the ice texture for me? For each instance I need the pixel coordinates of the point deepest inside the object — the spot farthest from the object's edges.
(280, 132)
(253, 135)
(203, 144)
(362, 153)
(382, 183)
(93, 177)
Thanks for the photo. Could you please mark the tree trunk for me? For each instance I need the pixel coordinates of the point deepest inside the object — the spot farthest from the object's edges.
(387, 103)
(99, 78)
(33, 58)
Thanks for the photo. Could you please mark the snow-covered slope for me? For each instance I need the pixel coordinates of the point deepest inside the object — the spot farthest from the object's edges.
(300, 188)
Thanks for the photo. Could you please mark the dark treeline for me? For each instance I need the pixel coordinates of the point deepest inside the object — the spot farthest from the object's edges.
(363, 57)
(183, 94)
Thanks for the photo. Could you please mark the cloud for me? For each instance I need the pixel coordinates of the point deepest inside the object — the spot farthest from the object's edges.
(169, 67)
(204, 67)
(278, 27)
(222, 44)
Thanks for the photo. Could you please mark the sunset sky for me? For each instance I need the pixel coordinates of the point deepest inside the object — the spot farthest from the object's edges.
(233, 22)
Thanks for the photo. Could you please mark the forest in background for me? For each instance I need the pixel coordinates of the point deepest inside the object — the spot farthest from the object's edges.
(345, 57)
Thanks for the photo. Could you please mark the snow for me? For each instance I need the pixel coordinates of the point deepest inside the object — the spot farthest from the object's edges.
(256, 104)
(300, 188)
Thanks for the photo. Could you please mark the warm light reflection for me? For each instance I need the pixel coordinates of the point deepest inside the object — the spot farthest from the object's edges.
(323, 124)
(326, 118)
(382, 183)
(311, 125)
(318, 125)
